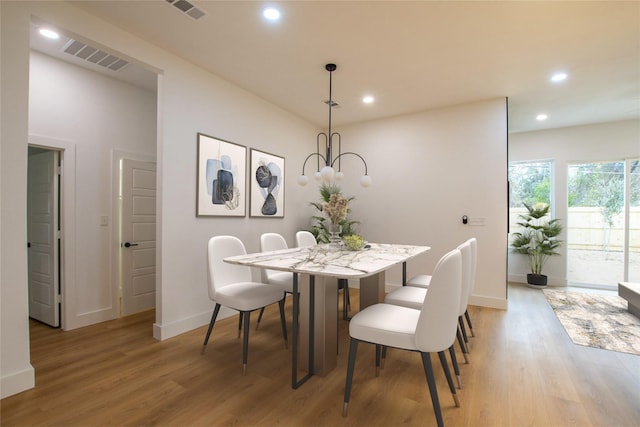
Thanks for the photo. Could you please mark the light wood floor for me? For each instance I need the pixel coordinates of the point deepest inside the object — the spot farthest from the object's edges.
(524, 371)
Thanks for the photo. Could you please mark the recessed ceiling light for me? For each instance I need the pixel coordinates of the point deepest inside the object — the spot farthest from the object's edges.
(558, 77)
(271, 14)
(541, 117)
(50, 34)
(368, 99)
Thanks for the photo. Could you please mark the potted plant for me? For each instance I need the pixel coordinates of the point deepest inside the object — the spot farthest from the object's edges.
(538, 240)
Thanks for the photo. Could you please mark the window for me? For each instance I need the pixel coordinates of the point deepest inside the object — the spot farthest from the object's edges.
(602, 241)
(530, 183)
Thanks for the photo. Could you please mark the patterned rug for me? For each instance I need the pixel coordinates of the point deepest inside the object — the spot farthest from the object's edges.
(595, 320)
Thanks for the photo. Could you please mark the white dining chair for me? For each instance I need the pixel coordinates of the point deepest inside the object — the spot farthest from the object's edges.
(423, 280)
(281, 279)
(472, 279)
(419, 281)
(306, 239)
(232, 286)
(431, 329)
(413, 297)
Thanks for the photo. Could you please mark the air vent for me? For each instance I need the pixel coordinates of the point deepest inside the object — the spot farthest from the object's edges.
(94, 55)
(187, 8)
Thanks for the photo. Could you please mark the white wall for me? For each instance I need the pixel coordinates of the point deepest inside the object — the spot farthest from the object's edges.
(429, 169)
(196, 101)
(606, 141)
(100, 117)
(16, 371)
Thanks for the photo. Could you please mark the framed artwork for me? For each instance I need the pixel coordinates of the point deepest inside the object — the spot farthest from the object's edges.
(267, 185)
(221, 182)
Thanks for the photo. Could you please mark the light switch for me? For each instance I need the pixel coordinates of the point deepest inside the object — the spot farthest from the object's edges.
(104, 220)
(477, 220)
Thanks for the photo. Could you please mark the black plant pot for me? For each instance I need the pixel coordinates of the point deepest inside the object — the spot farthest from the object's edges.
(537, 280)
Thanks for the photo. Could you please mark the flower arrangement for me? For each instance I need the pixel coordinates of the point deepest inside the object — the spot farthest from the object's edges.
(336, 208)
(333, 209)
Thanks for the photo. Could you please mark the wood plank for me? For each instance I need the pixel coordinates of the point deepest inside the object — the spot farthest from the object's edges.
(524, 371)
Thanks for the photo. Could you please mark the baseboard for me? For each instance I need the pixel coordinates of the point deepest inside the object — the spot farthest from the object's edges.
(172, 329)
(17, 382)
(489, 302)
(88, 319)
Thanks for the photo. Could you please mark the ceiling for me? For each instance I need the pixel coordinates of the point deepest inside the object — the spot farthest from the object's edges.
(411, 56)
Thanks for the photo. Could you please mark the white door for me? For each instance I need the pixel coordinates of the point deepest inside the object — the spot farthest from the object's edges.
(138, 245)
(43, 237)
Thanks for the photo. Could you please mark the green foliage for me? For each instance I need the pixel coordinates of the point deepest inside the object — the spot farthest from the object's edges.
(600, 185)
(539, 236)
(320, 228)
(541, 192)
(529, 183)
(597, 185)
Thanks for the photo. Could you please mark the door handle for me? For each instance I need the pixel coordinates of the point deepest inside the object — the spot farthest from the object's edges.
(127, 244)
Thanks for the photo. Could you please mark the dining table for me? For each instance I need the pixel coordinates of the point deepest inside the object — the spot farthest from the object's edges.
(316, 270)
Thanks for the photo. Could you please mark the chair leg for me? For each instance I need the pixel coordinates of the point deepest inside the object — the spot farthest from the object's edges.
(283, 321)
(463, 346)
(383, 357)
(259, 318)
(463, 329)
(353, 349)
(466, 315)
(378, 351)
(245, 342)
(456, 368)
(447, 373)
(240, 323)
(431, 382)
(211, 323)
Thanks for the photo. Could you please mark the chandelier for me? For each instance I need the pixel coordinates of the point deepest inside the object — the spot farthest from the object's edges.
(327, 173)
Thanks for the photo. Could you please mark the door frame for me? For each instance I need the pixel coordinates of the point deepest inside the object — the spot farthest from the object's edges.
(116, 214)
(67, 191)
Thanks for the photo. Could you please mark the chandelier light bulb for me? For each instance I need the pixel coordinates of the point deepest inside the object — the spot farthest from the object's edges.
(317, 176)
(327, 173)
(365, 181)
(303, 180)
(339, 176)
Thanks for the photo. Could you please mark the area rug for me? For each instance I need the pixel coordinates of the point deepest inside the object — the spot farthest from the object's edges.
(595, 320)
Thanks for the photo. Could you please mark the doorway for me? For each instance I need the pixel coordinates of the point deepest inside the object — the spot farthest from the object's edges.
(603, 236)
(137, 236)
(44, 239)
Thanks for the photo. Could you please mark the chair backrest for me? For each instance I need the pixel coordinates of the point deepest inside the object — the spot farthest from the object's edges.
(474, 264)
(222, 273)
(272, 242)
(465, 255)
(438, 319)
(305, 239)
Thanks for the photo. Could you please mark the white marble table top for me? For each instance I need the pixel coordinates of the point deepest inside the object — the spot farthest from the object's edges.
(328, 260)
